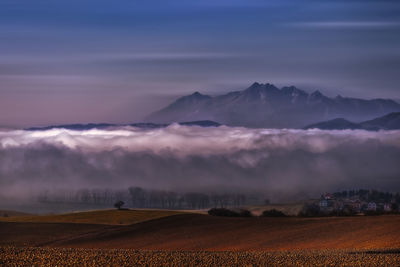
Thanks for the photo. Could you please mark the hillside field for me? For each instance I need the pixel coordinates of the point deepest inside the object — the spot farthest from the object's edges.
(121, 217)
(172, 230)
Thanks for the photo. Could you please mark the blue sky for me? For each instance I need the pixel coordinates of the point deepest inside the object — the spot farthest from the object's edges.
(89, 61)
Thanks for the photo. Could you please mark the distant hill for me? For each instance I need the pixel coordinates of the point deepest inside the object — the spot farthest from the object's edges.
(93, 217)
(264, 105)
(387, 122)
(12, 213)
(201, 123)
(78, 127)
(89, 126)
(335, 124)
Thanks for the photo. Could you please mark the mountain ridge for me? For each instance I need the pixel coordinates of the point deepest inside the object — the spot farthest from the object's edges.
(146, 125)
(390, 121)
(267, 106)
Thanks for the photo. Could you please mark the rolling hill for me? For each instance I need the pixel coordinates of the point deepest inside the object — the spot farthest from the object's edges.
(12, 213)
(111, 217)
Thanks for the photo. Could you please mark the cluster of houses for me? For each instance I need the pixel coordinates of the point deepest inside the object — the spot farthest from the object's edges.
(328, 203)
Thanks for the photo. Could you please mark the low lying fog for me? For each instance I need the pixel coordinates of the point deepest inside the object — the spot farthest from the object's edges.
(280, 163)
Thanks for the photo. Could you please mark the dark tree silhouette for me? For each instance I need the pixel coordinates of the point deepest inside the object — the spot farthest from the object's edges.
(273, 213)
(119, 204)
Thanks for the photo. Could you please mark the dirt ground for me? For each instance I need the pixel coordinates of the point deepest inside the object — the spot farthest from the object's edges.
(196, 232)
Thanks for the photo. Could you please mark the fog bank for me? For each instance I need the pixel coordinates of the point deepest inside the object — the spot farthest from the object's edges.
(279, 163)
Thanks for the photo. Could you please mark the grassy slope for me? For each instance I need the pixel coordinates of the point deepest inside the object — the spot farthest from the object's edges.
(119, 217)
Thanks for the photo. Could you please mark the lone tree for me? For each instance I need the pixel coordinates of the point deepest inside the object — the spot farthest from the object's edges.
(119, 204)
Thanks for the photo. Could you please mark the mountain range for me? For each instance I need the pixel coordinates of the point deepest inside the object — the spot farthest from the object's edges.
(387, 122)
(89, 126)
(266, 106)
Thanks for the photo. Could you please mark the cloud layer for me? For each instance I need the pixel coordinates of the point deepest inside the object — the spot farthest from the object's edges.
(279, 163)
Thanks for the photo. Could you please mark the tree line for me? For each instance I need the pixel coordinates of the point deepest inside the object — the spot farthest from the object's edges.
(137, 197)
(369, 195)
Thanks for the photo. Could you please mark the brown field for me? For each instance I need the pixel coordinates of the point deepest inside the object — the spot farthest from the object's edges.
(11, 213)
(202, 232)
(123, 217)
(197, 240)
(12, 256)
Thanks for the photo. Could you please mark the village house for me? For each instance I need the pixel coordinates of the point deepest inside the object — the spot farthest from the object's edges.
(339, 205)
(387, 207)
(354, 205)
(371, 206)
(327, 203)
(323, 203)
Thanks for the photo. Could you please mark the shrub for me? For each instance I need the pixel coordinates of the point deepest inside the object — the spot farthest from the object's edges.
(222, 212)
(229, 213)
(310, 210)
(245, 213)
(273, 213)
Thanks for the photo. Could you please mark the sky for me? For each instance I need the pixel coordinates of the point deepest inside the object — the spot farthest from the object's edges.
(81, 61)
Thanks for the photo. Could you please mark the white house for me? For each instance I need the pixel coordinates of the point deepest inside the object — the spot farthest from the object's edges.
(323, 203)
(387, 207)
(372, 206)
